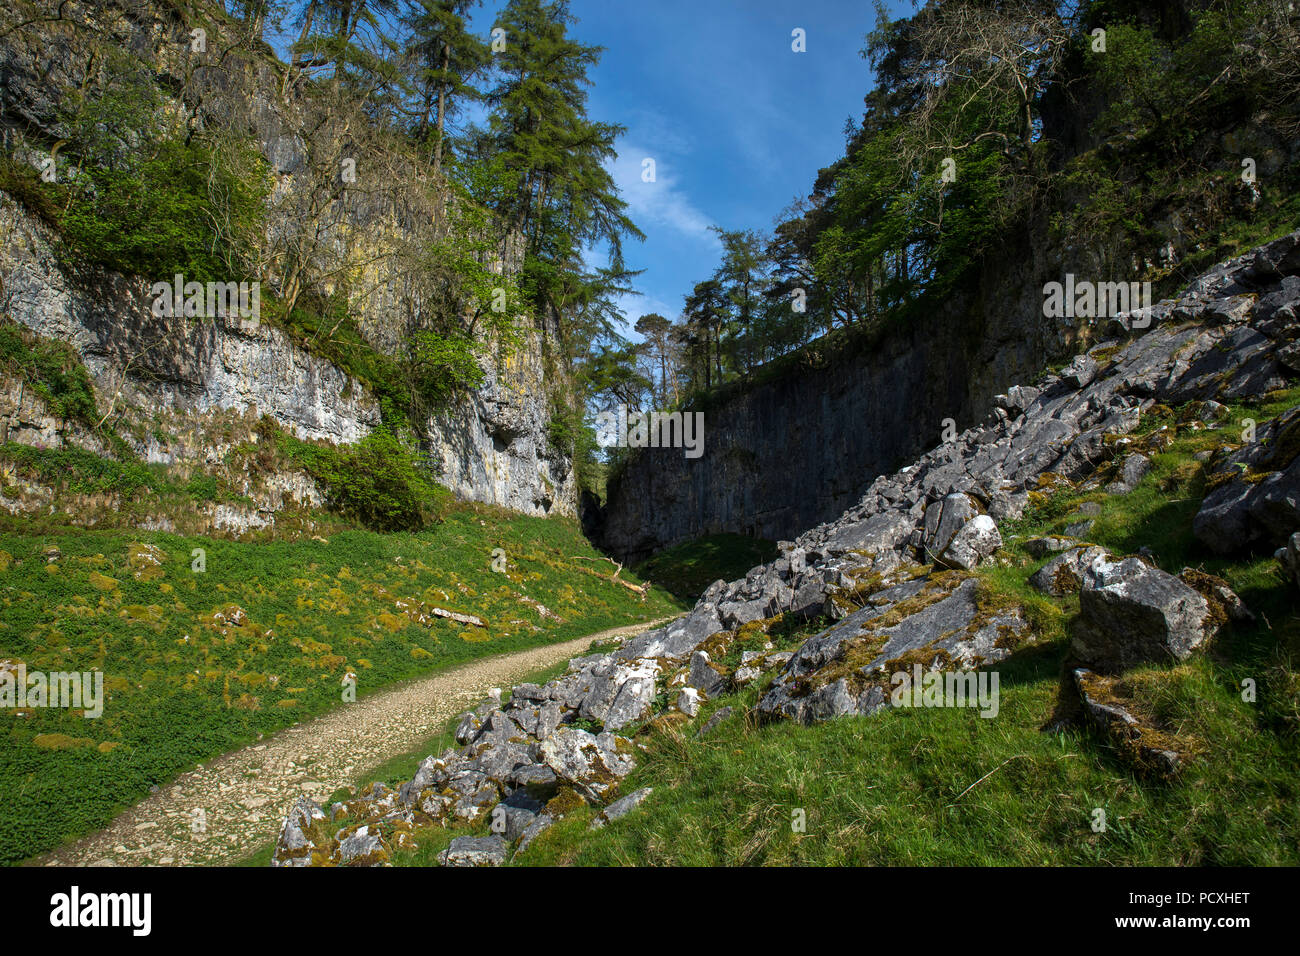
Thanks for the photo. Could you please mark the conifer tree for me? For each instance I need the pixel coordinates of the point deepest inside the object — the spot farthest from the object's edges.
(447, 57)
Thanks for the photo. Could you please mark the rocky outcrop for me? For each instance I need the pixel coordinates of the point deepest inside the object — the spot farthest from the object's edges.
(159, 362)
(847, 417)
(937, 622)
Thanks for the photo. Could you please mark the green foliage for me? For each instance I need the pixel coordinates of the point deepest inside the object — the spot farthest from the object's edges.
(447, 56)
(376, 481)
(444, 364)
(154, 202)
(551, 177)
(685, 570)
(22, 181)
(1164, 91)
(84, 472)
(51, 367)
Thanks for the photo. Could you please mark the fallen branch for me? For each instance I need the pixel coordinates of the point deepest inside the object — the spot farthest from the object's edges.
(641, 589)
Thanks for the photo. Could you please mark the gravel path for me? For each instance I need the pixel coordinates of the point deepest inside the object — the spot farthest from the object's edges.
(232, 806)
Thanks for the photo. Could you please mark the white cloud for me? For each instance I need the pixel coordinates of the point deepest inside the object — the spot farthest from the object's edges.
(662, 202)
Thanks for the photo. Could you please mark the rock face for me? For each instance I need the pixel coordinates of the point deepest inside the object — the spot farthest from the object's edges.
(850, 417)
(491, 445)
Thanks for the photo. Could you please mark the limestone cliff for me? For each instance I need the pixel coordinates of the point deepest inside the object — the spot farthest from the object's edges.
(799, 446)
(489, 445)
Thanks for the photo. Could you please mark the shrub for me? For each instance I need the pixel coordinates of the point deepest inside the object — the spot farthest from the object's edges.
(52, 368)
(375, 481)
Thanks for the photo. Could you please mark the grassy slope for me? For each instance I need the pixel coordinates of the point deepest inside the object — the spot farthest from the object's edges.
(946, 786)
(182, 686)
(687, 569)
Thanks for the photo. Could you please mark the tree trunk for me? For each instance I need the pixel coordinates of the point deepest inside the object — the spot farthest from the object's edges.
(302, 37)
(442, 106)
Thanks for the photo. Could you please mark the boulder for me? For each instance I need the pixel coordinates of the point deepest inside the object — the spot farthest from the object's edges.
(688, 701)
(514, 815)
(537, 780)
(1255, 491)
(591, 764)
(704, 677)
(943, 519)
(1290, 558)
(1080, 372)
(362, 848)
(1133, 469)
(498, 762)
(976, 540)
(886, 531)
(539, 824)
(677, 640)
(1143, 746)
(475, 851)
(738, 613)
(1066, 573)
(621, 808)
(1131, 613)
(294, 846)
(718, 716)
(1041, 547)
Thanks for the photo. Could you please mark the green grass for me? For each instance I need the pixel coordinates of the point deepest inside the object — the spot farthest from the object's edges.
(182, 686)
(687, 569)
(948, 787)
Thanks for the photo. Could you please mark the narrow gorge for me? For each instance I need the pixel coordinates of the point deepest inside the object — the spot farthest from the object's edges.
(333, 334)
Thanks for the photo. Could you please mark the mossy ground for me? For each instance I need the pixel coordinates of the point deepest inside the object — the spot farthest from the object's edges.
(197, 664)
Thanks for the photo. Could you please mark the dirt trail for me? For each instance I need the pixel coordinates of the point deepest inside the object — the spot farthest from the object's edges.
(245, 794)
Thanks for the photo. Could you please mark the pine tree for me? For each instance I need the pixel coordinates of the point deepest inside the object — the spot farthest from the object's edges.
(656, 328)
(705, 314)
(743, 278)
(447, 58)
(562, 197)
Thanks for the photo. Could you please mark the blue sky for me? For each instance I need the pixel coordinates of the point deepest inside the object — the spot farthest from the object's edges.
(738, 124)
